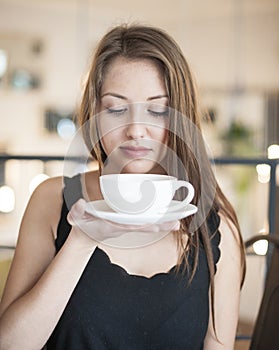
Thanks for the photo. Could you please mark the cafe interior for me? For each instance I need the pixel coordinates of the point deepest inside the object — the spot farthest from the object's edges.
(233, 49)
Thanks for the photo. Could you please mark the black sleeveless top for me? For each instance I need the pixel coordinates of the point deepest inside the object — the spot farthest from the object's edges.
(111, 309)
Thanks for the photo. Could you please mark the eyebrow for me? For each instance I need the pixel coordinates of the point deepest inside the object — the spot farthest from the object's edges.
(157, 97)
(114, 95)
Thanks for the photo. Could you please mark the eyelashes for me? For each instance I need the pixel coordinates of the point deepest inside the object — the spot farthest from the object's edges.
(116, 111)
(153, 113)
(164, 113)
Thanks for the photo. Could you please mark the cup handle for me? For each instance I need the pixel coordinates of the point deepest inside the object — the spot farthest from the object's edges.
(190, 195)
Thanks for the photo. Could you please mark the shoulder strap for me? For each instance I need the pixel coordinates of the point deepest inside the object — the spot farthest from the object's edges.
(213, 223)
(72, 190)
(71, 193)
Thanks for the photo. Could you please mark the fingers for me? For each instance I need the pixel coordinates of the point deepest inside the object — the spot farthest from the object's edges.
(103, 230)
(167, 226)
(173, 225)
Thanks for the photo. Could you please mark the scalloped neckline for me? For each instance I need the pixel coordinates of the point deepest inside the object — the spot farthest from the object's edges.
(126, 273)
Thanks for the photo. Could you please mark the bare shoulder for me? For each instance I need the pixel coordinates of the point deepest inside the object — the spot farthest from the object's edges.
(45, 202)
(231, 245)
(49, 188)
(229, 231)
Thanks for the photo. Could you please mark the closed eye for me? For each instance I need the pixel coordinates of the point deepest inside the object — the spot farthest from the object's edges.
(116, 111)
(163, 113)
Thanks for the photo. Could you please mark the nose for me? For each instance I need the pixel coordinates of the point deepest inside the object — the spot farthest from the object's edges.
(136, 128)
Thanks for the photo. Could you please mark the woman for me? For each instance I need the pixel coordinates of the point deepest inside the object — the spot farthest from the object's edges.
(67, 288)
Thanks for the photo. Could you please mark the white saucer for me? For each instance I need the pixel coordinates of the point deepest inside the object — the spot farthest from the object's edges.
(101, 210)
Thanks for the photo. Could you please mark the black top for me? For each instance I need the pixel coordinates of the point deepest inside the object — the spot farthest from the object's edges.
(111, 309)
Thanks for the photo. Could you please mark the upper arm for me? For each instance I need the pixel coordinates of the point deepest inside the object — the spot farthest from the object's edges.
(35, 246)
(227, 283)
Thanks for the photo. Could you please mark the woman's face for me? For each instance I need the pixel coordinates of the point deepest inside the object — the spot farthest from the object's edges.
(133, 119)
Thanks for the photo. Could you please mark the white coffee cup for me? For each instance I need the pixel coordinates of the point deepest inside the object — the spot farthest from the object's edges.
(143, 193)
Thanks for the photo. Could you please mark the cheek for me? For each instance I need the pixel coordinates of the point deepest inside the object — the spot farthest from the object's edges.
(161, 135)
(111, 140)
(161, 132)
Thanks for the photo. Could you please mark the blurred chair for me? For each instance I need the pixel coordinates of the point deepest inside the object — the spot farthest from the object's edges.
(265, 334)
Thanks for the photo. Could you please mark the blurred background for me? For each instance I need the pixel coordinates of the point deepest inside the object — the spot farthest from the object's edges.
(233, 49)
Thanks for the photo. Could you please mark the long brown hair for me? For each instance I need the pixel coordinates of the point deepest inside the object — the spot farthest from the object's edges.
(146, 42)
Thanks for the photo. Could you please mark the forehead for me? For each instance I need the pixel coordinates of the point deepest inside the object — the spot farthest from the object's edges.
(119, 63)
(125, 75)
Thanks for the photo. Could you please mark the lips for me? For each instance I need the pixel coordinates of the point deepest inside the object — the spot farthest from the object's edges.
(135, 151)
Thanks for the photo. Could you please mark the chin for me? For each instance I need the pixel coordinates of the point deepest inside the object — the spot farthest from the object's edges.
(140, 166)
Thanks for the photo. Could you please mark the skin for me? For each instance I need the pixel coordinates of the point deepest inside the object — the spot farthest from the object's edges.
(40, 283)
(138, 105)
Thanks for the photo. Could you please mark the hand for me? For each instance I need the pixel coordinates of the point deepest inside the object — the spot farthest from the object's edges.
(107, 232)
